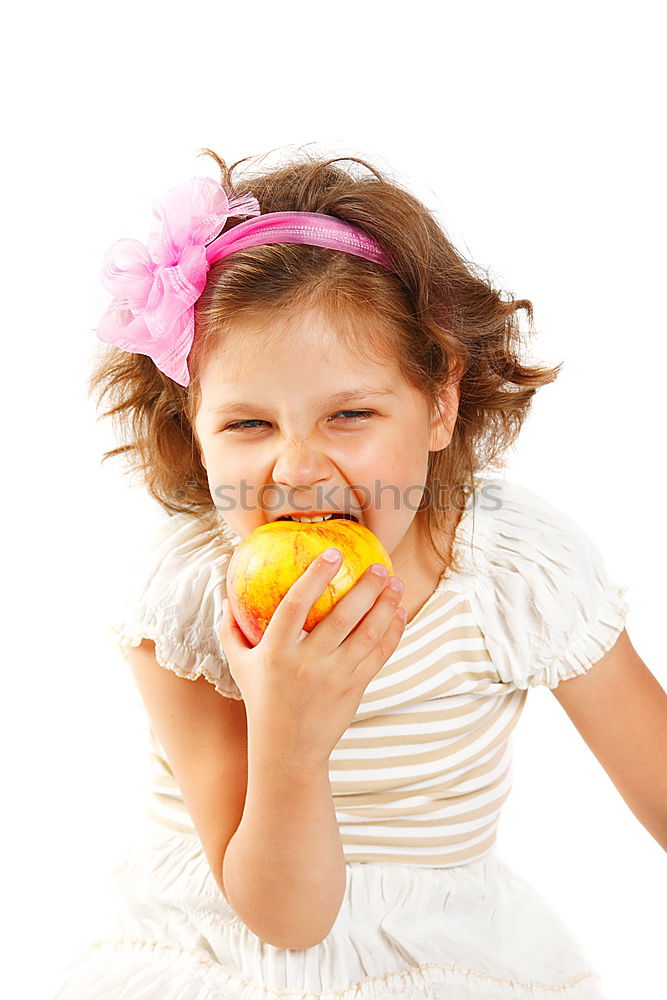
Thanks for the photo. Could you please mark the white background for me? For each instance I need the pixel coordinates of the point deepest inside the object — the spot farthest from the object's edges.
(534, 132)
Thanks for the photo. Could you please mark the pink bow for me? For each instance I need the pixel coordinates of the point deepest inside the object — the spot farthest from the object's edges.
(156, 286)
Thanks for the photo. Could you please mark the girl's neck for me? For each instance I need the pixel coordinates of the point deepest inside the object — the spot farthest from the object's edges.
(421, 569)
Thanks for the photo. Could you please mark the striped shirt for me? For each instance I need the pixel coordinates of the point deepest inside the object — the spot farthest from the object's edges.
(421, 774)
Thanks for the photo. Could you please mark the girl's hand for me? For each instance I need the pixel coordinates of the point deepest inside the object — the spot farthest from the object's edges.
(304, 688)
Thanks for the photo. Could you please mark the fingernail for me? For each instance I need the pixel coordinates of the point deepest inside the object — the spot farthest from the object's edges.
(332, 555)
(379, 569)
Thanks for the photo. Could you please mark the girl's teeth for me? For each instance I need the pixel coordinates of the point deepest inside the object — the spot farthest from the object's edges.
(309, 520)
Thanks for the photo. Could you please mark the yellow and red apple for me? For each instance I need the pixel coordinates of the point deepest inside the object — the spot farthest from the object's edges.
(269, 560)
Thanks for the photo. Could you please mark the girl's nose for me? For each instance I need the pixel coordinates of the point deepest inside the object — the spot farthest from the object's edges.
(299, 465)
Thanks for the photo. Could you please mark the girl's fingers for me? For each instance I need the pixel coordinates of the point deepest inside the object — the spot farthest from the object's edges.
(353, 614)
(231, 635)
(370, 634)
(288, 619)
(374, 662)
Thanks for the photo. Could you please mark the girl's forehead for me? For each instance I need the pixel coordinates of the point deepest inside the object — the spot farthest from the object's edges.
(314, 347)
(316, 323)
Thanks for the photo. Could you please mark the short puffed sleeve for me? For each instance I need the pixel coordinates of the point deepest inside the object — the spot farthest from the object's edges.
(543, 598)
(175, 598)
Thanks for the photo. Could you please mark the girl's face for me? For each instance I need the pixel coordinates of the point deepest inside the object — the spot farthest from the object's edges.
(277, 435)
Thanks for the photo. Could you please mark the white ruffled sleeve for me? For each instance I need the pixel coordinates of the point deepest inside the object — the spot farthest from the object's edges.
(176, 600)
(544, 600)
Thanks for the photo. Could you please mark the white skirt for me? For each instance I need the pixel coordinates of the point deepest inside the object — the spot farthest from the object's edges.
(477, 931)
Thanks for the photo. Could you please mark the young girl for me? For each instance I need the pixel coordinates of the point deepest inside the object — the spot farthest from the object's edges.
(326, 803)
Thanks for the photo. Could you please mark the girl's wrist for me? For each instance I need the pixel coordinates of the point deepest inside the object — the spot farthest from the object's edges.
(271, 748)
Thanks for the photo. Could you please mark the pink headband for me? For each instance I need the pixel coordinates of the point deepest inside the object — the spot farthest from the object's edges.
(156, 286)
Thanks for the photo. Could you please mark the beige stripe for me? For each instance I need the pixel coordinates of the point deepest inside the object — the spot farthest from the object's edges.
(174, 803)
(160, 762)
(440, 669)
(162, 774)
(491, 708)
(164, 781)
(384, 817)
(369, 764)
(452, 707)
(458, 635)
(482, 725)
(427, 860)
(380, 803)
(459, 606)
(447, 859)
(436, 600)
(401, 821)
(424, 640)
(441, 840)
(358, 802)
(373, 838)
(461, 623)
(377, 806)
(401, 791)
(160, 803)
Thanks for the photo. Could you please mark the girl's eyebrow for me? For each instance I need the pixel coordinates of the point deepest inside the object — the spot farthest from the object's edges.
(339, 397)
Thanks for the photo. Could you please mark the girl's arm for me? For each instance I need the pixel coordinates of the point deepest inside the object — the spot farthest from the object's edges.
(284, 869)
(620, 710)
(205, 739)
(266, 819)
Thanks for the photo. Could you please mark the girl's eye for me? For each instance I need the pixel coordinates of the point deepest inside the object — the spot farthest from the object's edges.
(356, 415)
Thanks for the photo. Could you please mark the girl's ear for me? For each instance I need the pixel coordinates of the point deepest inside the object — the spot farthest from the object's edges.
(443, 420)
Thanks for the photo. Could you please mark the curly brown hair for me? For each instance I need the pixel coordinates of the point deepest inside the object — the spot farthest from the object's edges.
(438, 317)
